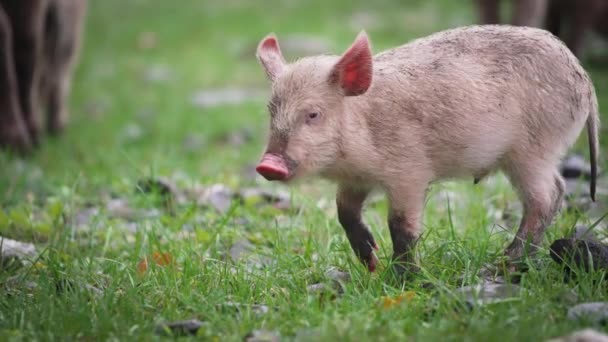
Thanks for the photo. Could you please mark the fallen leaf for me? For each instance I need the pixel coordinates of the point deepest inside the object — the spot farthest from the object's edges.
(391, 302)
(160, 259)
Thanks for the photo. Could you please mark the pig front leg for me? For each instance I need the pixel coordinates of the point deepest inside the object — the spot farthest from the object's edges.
(350, 203)
(404, 221)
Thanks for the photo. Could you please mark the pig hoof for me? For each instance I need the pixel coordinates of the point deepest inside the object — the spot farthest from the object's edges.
(372, 263)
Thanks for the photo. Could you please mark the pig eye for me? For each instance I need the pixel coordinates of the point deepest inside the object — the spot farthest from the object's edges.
(312, 116)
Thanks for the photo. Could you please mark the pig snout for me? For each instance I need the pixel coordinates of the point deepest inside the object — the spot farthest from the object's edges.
(273, 167)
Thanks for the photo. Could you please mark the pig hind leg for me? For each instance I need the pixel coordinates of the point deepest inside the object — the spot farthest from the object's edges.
(541, 191)
(404, 222)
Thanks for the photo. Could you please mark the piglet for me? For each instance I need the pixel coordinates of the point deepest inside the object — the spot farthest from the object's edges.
(459, 103)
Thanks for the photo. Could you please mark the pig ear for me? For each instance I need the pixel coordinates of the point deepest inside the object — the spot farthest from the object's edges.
(270, 56)
(353, 72)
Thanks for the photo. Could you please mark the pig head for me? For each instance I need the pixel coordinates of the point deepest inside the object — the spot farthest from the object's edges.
(307, 107)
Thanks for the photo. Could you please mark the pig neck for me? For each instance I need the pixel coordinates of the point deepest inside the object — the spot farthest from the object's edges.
(357, 159)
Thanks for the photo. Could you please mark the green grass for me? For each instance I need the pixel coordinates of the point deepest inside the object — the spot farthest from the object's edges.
(209, 44)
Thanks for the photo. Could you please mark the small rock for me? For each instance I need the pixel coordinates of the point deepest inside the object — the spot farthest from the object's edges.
(241, 221)
(575, 166)
(158, 73)
(120, 208)
(66, 285)
(13, 250)
(258, 309)
(209, 98)
(337, 279)
(280, 199)
(131, 132)
(307, 334)
(17, 283)
(179, 328)
(240, 249)
(218, 196)
(586, 335)
(584, 253)
(596, 313)
(147, 40)
(336, 274)
(84, 218)
(317, 288)
(489, 293)
(262, 336)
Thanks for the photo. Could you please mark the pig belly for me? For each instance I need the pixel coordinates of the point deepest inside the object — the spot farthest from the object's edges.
(476, 156)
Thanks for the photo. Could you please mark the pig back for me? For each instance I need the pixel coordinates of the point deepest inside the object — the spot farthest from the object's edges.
(472, 94)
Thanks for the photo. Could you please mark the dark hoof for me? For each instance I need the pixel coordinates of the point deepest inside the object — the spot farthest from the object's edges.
(364, 245)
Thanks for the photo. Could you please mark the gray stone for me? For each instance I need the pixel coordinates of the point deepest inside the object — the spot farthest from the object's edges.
(278, 199)
(83, 219)
(317, 288)
(262, 336)
(131, 132)
(596, 312)
(258, 309)
(489, 293)
(11, 250)
(158, 73)
(240, 249)
(179, 328)
(217, 196)
(575, 166)
(335, 274)
(586, 335)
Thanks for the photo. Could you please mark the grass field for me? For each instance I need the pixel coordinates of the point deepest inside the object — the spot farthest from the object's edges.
(137, 115)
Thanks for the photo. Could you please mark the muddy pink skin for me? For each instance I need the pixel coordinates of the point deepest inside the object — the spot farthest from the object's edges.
(461, 103)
